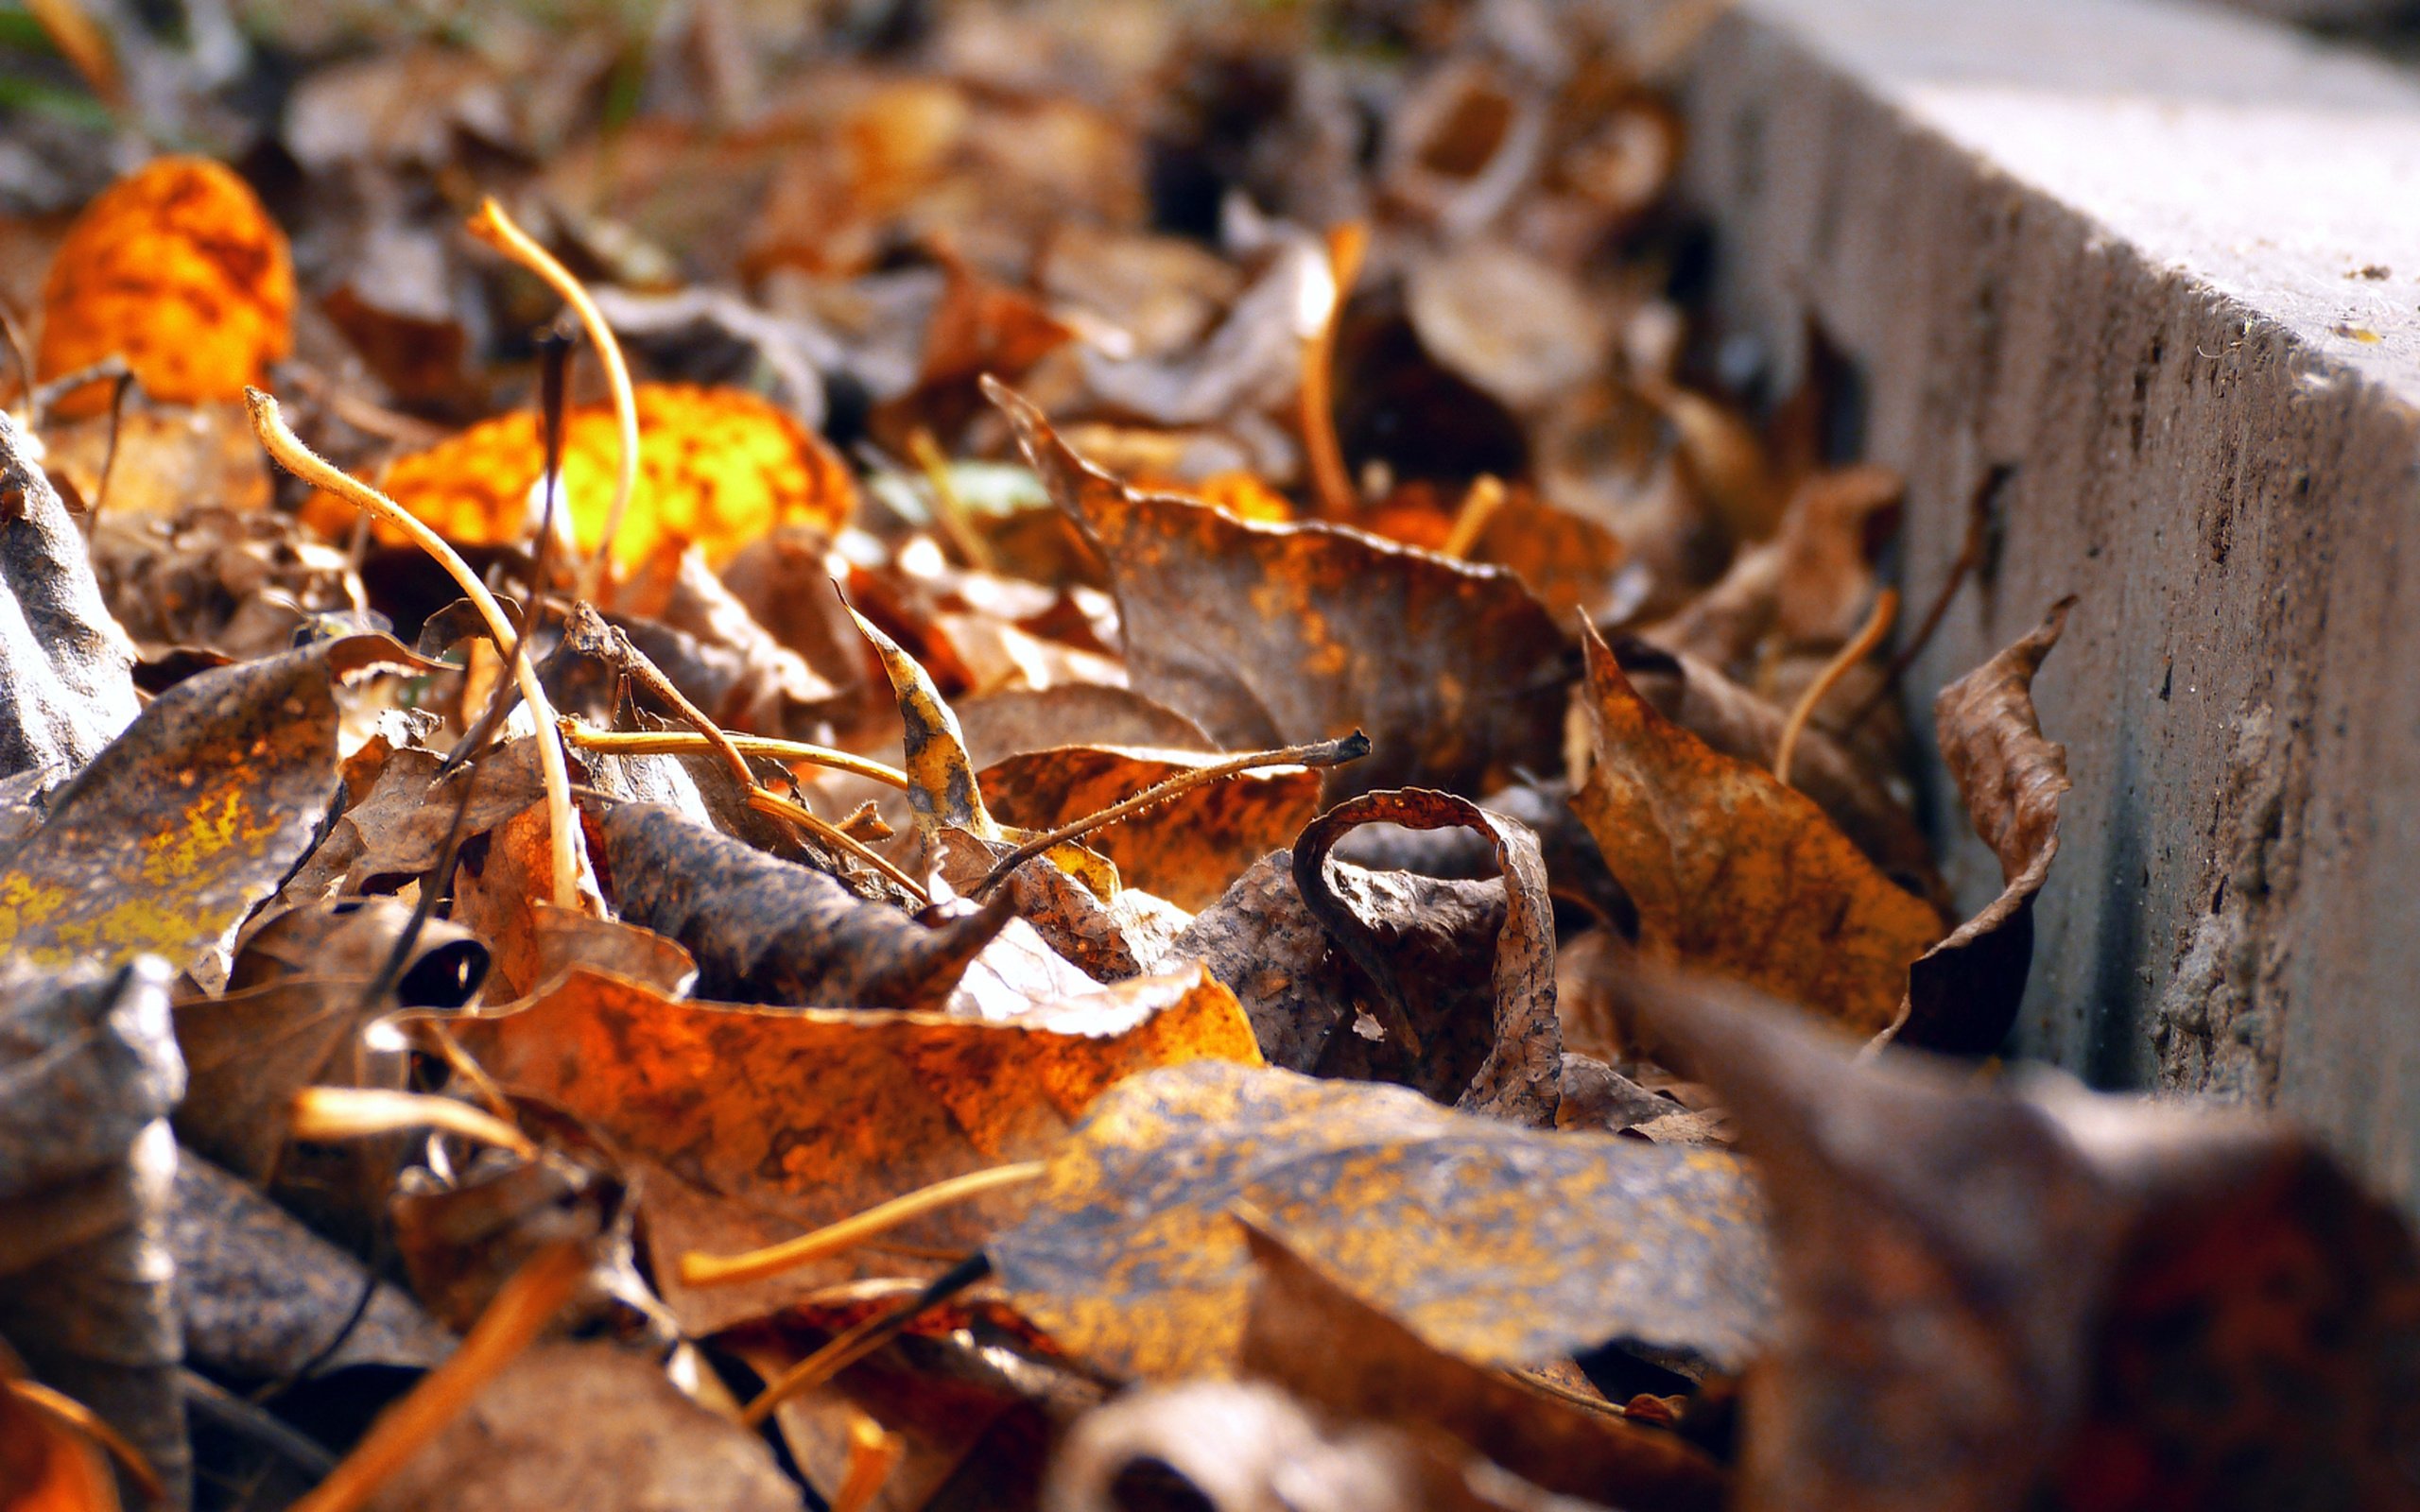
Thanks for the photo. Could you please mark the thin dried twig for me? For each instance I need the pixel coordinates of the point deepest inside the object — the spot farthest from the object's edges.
(493, 226)
(674, 743)
(1886, 604)
(65, 1409)
(725, 1270)
(1479, 505)
(1318, 753)
(298, 460)
(522, 1309)
(854, 1342)
(586, 632)
(874, 1451)
(1331, 485)
(327, 1113)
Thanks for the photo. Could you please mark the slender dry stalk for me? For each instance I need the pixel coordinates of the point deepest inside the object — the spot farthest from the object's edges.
(298, 460)
(1886, 604)
(493, 226)
(725, 1270)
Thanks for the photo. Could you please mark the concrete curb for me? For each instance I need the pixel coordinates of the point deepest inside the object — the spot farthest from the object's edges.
(2143, 279)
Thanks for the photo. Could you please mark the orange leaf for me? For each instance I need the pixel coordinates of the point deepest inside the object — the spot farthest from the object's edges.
(176, 269)
(719, 468)
(1733, 872)
(758, 1123)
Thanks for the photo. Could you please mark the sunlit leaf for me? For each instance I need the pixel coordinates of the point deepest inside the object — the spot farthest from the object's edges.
(176, 269)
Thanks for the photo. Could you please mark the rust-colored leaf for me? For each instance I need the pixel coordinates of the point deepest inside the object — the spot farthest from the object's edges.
(1962, 995)
(1501, 1245)
(718, 468)
(1275, 635)
(1737, 722)
(1333, 1350)
(754, 1124)
(1521, 1079)
(190, 817)
(1188, 849)
(1733, 872)
(176, 269)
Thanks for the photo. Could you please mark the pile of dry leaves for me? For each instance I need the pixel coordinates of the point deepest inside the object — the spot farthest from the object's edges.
(973, 756)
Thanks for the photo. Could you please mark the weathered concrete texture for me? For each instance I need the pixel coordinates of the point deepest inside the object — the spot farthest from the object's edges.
(2142, 282)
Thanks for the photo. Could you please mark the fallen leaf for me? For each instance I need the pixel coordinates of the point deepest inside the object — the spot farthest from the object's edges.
(292, 1015)
(817, 1115)
(1501, 1245)
(765, 930)
(1329, 1348)
(88, 1073)
(1262, 940)
(191, 816)
(66, 669)
(1188, 849)
(719, 468)
(1521, 1079)
(1738, 723)
(940, 775)
(1517, 327)
(1732, 872)
(176, 269)
(1275, 635)
(1808, 586)
(1963, 994)
(264, 1297)
(1012, 721)
(2040, 1297)
(592, 1425)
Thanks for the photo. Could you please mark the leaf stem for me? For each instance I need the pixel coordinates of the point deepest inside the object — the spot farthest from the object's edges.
(1331, 485)
(298, 460)
(723, 1270)
(856, 1341)
(522, 1308)
(493, 226)
(1318, 753)
(675, 743)
(327, 1113)
(1886, 604)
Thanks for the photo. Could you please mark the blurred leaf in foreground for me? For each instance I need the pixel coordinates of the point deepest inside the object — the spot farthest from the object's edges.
(1501, 1245)
(2046, 1297)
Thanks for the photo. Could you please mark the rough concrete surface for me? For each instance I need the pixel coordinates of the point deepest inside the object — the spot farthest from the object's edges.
(2141, 281)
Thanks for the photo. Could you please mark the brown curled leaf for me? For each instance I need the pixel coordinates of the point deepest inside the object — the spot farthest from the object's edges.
(1313, 1337)
(2037, 1297)
(1733, 872)
(940, 776)
(176, 269)
(755, 1124)
(1522, 1077)
(765, 930)
(1963, 994)
(1276, 635)
(1188, 849)
(190, 817)
(1502, 1245)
